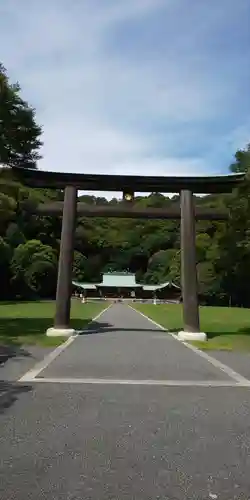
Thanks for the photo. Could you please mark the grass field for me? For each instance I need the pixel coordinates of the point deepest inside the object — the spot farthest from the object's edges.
(26, 322)
(226, 328)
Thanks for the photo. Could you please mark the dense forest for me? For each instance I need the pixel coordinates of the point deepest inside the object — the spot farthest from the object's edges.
(29, 245)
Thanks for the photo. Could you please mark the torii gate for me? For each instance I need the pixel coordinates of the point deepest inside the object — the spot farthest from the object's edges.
(128, 185)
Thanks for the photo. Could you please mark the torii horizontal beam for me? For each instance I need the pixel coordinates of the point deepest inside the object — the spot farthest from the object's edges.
(130, 211)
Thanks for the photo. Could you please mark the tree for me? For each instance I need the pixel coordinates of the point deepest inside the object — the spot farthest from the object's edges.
(5, 257)
(232, 264)
(203, 243)
(14, 236)
(33, 269)
(160, 266)
(19, 133)
(242, 160)
(7, 211)
(40, 277)
(175, 268)
(79, 266)
(209, 283)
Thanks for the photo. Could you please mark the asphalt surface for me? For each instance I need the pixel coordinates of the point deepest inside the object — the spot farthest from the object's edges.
(238, 361)
(125, 345)
(94, 442)
(20, 360)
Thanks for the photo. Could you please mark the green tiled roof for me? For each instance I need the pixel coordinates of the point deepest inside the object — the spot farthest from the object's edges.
(122, 280)
(159, 287)
(116, 279)
(85, 286)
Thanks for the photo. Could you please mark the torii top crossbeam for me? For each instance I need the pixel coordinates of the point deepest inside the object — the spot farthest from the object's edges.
(135, 183)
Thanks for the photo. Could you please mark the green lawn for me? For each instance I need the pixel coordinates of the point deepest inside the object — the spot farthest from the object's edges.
(226, 328)
(27, 322)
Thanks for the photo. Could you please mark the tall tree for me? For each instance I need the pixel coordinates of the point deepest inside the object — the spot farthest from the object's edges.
(19, 133)
(242, 160)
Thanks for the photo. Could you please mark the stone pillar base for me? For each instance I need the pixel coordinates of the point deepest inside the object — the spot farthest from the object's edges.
(189, 336)
(60, 332)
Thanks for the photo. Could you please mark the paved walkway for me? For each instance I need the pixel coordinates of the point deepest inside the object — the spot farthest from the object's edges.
(96, 441)
(124, 345)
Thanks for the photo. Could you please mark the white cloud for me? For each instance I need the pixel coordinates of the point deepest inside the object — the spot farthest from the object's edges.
(113, 96)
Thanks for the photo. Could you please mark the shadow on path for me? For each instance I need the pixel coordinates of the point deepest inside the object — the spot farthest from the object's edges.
(97, 327)
(9, 393)
(10, 351)
(12, 329)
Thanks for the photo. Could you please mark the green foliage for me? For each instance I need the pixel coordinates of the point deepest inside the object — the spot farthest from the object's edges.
(41, 277)
(7, 210)
(242, 160)
(5, 258)
(175, 268)
(79, 266)
(14, 236)
(160, 266)
(209, 283)
(19, 133)
(33, 267)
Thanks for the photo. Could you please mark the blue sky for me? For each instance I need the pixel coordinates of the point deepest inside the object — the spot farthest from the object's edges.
(133, 86)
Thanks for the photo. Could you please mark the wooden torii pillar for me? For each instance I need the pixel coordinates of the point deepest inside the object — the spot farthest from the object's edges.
(64, 279)
(189, 282)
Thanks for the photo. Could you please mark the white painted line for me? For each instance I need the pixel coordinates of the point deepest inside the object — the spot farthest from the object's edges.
(159, 327)
(165, 383)
(213, 361)
(39, 367)
(221, 366)
(31, 374)
(217, 364)
(99, 314)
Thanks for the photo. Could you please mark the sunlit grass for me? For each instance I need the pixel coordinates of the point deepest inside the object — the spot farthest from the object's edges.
(226, 328)
(27, 322)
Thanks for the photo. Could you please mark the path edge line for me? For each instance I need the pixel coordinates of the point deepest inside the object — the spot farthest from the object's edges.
(141, 382)
(31, 374)
(210, 359)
